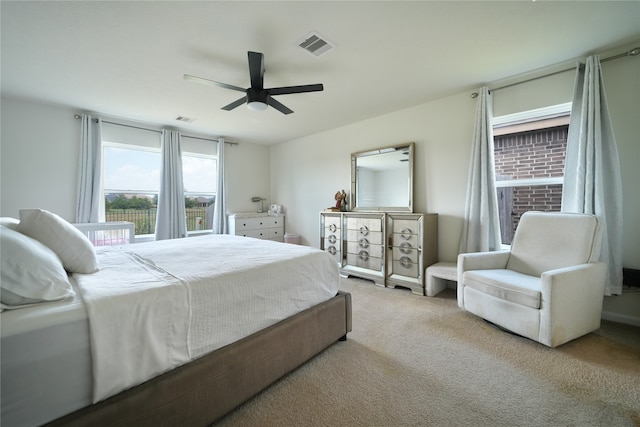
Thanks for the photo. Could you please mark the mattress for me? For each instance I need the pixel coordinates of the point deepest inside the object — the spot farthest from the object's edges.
(235, 286)
(45, 361)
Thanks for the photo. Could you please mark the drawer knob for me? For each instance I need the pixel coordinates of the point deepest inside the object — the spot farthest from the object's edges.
(332, 228)
(405, 262)
(406, 233)
(364, 230)
(332, 250)
(363, 255)
(332, 239)
(405, 247)
(363, 243)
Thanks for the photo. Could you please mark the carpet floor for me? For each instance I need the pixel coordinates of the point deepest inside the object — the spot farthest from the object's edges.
(419, 361)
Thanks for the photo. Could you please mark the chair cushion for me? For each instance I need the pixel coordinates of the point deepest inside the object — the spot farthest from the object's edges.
(549, 240)
(507, 285)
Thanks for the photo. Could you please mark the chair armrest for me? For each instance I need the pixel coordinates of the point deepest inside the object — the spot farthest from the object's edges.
(571, 299)
(588, 277)
(478, 261)
(482, 261)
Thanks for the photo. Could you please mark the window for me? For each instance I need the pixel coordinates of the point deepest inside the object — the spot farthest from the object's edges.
(529, 152)
(131, 181)
(200, 175)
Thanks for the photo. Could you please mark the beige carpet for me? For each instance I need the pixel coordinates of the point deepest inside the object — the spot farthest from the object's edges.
(417, 361)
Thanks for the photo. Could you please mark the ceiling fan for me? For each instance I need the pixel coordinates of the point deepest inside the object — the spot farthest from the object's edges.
(256, 96)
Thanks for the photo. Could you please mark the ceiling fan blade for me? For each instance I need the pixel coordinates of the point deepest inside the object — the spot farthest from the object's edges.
(256, 69)
(278, 106)
(295, 89)
(213, 83)
(235, 104)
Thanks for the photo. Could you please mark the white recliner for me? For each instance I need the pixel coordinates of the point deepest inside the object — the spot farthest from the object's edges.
(548, 287)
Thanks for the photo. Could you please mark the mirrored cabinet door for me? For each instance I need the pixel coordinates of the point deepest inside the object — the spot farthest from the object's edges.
(413, 243)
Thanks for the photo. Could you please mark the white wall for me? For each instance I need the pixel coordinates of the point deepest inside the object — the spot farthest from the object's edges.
(306, 173)
(39, 162)
(39, 149)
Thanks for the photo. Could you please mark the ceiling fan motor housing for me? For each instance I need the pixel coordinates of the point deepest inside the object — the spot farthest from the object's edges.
(257, 95)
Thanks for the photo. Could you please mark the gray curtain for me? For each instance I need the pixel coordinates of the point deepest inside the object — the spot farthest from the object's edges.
(592, 180)
(89, 201)
(171, 220)
(219, 213)
(481, 228)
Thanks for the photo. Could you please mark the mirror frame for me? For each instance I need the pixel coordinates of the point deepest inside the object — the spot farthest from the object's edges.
(354, 186)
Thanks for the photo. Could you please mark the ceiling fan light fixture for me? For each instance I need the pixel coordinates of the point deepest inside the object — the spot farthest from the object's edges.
(257, 105)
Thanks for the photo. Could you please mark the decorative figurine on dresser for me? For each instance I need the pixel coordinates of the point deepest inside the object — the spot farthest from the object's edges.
(382, 239)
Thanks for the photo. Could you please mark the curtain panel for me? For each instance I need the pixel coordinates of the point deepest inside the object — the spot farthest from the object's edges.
(171, 220)
(89, 201)
(220, 208)
(481, 228)
(592, 179)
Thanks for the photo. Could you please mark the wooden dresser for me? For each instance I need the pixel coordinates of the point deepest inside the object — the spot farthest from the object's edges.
(258, 225)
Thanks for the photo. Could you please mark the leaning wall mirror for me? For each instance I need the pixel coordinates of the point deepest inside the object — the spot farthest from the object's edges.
(382, 179)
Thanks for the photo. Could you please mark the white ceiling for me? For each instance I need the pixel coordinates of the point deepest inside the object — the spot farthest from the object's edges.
(127, 59)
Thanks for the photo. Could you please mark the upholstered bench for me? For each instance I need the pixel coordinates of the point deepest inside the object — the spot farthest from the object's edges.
(437, 276)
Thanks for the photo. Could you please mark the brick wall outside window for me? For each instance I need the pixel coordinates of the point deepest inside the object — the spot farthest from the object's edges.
(532, 154)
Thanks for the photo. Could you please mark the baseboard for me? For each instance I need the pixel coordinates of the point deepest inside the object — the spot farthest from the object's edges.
(621, 318)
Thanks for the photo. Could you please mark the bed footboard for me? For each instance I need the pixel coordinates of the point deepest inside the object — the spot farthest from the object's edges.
(208, 388)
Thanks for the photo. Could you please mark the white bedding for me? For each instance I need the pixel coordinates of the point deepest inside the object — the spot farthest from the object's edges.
(153, 306)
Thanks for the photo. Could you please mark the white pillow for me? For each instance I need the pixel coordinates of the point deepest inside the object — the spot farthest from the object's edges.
(30, 272)
(74, 248)
(9, 222)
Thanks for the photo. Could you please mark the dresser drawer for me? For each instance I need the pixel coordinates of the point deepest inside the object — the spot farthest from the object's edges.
(411, 254)
(405, 240)
(275, 234)
(406, 226)
(334, 250)
(258, 234)
(360, 247)
(406, 267)
(332, 239)
(364, 261)
(249, 223)
(374, 237)
(265, 233)
(332, 222)
(364, 225)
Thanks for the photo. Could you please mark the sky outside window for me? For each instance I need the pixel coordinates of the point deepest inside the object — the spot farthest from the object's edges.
(139, 171)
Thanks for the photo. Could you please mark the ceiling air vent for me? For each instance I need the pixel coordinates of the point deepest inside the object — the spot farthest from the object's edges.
(184, 119)
(315, 44)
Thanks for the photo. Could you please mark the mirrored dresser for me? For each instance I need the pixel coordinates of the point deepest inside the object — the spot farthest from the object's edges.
(382, 239)
(391, 249)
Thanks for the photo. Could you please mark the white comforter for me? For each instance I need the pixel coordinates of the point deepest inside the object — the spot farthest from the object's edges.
(154, 306)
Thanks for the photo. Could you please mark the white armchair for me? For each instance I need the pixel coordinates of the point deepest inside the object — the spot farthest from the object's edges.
(548, 287)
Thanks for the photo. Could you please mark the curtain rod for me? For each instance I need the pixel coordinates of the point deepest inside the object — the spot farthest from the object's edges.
(78, 116)
(633, 52)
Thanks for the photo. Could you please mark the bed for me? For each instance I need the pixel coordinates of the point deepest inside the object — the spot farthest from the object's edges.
(231, 331)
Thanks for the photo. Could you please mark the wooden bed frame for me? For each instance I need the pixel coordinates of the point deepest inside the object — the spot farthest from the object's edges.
(208, 388)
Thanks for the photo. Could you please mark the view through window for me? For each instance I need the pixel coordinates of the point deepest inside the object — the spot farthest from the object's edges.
(529, 152)
(131, 178)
